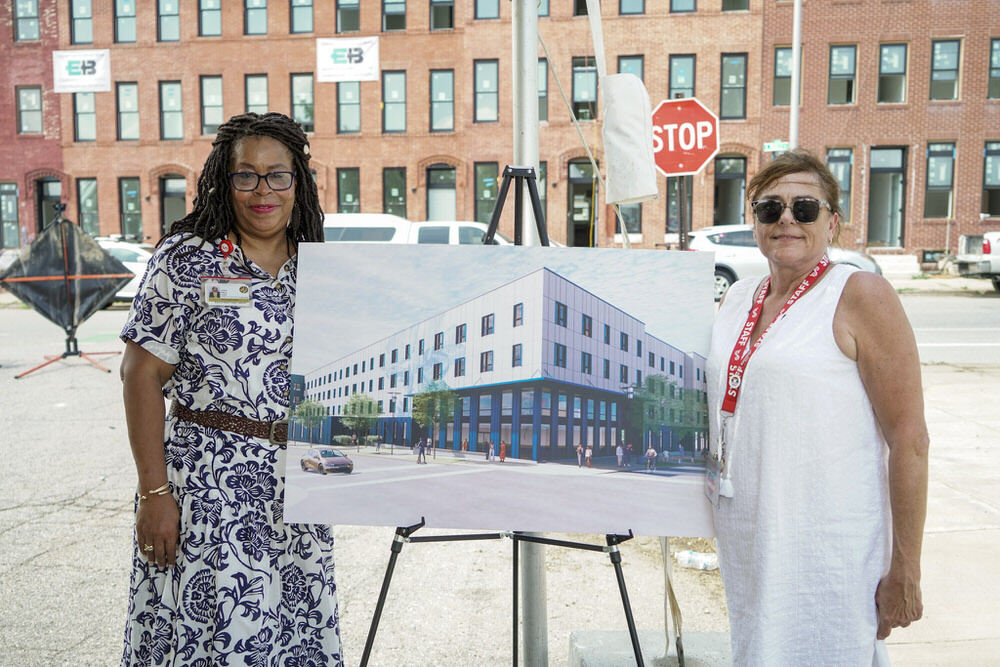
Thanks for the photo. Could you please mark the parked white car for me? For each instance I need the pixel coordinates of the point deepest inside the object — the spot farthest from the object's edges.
(983, 261)
(135, 257)
(387, 228)
(737, 255)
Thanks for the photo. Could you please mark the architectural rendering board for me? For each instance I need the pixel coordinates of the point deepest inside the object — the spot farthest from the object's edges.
(547, 389)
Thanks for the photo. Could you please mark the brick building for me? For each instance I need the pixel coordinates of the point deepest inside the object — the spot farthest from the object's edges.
(430, 138)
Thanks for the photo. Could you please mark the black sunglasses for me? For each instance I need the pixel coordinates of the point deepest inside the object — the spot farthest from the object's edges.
(805, 210)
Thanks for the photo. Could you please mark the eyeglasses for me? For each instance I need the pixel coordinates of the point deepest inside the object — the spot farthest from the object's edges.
(805, 210)
(249, 180)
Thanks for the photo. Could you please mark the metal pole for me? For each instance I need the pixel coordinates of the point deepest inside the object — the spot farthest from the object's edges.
(524, 44)
(793, 115)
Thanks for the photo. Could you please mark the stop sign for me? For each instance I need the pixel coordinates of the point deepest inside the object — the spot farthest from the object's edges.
(685, 136)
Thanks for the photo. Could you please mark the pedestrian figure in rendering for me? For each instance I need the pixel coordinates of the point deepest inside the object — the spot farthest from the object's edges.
(620, 453)
(503, 451)
(421, 451)
(818, 439)
(589, 454)
(218, 577)
(651, 457)
(628, 455)
(491, 455)
(579, 455)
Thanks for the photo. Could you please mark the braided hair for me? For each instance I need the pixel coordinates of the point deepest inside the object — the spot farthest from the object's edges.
(212, 217)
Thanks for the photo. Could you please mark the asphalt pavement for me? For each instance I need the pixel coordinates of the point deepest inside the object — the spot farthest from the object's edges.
(66, 521)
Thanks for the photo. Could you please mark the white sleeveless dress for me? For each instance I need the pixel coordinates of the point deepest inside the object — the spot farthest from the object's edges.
(804, 540)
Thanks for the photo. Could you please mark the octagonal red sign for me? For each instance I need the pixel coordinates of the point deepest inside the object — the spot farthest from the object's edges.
(685, 136)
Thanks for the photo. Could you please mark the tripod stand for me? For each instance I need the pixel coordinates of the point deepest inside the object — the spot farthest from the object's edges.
(522, 175)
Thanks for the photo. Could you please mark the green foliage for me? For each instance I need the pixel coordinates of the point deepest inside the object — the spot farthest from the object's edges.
(309, 413)
(434, 405)
(659, 401)
(360, 413)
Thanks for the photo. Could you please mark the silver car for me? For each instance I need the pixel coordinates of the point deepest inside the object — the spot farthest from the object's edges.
(737, 255)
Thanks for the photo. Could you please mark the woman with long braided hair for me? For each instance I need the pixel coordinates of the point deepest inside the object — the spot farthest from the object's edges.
(217, 576)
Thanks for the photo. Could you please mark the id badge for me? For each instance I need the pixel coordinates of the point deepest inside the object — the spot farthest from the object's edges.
(218, 292)
(713, 478)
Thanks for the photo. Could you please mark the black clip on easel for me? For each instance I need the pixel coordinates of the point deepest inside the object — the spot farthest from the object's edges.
(523, 175)
(404, 533)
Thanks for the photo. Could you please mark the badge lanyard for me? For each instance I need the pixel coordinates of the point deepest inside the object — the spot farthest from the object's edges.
(742, 350)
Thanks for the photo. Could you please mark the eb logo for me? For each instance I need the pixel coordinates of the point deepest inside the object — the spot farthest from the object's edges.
(81, 67)
(353, 56)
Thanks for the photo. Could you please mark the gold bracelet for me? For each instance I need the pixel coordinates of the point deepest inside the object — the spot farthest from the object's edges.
(162, 490)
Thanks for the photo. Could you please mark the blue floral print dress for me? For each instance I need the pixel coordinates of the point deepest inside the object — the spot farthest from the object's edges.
(247, 589)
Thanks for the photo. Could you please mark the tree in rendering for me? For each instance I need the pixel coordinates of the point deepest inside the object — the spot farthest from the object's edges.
(434, 406)
(360, 414)
(309, 414)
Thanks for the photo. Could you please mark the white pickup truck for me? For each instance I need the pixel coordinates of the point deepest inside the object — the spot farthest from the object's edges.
(983, 265)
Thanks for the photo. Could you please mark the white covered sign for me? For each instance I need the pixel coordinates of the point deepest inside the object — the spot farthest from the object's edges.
(81, 71)
(347, 59)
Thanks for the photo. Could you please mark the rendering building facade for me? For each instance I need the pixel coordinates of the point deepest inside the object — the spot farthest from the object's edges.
(539, 363)
(901, 98)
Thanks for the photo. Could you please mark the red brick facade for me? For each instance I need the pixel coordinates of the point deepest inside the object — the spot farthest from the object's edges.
(707, 33)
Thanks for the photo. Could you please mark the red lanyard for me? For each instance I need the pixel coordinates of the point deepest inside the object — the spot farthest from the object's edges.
(742, 351)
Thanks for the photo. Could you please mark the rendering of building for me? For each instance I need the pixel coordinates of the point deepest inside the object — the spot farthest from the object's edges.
(539, 363)
(901, 98)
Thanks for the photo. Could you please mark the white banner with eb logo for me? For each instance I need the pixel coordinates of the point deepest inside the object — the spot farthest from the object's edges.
(81, 71)
(347, 59)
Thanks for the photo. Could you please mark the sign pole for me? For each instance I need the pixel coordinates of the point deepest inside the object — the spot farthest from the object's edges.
(681, 213)
(793, 112)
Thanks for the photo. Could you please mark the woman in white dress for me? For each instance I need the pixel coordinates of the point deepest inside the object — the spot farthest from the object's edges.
(818, 440)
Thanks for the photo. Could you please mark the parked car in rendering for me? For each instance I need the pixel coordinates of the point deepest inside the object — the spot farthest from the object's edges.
(134, 256)
(387, 228)
(737, 255)
(326, 460)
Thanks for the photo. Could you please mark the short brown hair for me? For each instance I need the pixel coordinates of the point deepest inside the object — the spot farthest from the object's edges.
(798, 161)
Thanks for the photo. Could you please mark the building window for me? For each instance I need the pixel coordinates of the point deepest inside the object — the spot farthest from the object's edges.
(730, 189)
(81, 21)
(209, 18)
(734, 85)
(442, 14)
(607, 334)
(892, 74)
(515, 355)
(652, 360)
(638, 377)
(518, 314)
(26, 21)
(487, 325)
(623, 341)
(437, 371)
(393, 15)
(839, 161)
(460, 333)
(677, 6)
(840, 89)
(394, 191)
(631, 7)
(631, 215)
(560, 355)
(607, 369)
(940, 180)
(543, 89)
(460, 367)
(735, 5)
(991, 179)
(86, 205)
(440, 192)
(782, 94)
(486, 361)
(211, 104)
(623, 374)
(348, 190)
(255, 17)
(486, 92)
(84, 117)
(406, 354)
(348, 107)
(442, 100)
(944, 70)
(393, 358)
(561, 314)
(348, 16)
(993, 91)
(681, 76)
(302, 101)
(487, 9)
(393, 101)
(168, 24)
(29, 110)
(638, 347)
(130, 208)
(439, 340)
(128, 111)
(586, 363)
(125, 21)
(679, 190)
(171, 110)
(301, 18)
(255, 91)
(587, 325)
(172, 201)
(584, 88)
(486, 189)
(631, 65)
(392, 381)
(381, 360)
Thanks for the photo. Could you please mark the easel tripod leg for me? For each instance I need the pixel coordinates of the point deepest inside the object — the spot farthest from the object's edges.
(616, 561)
(402, 533)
